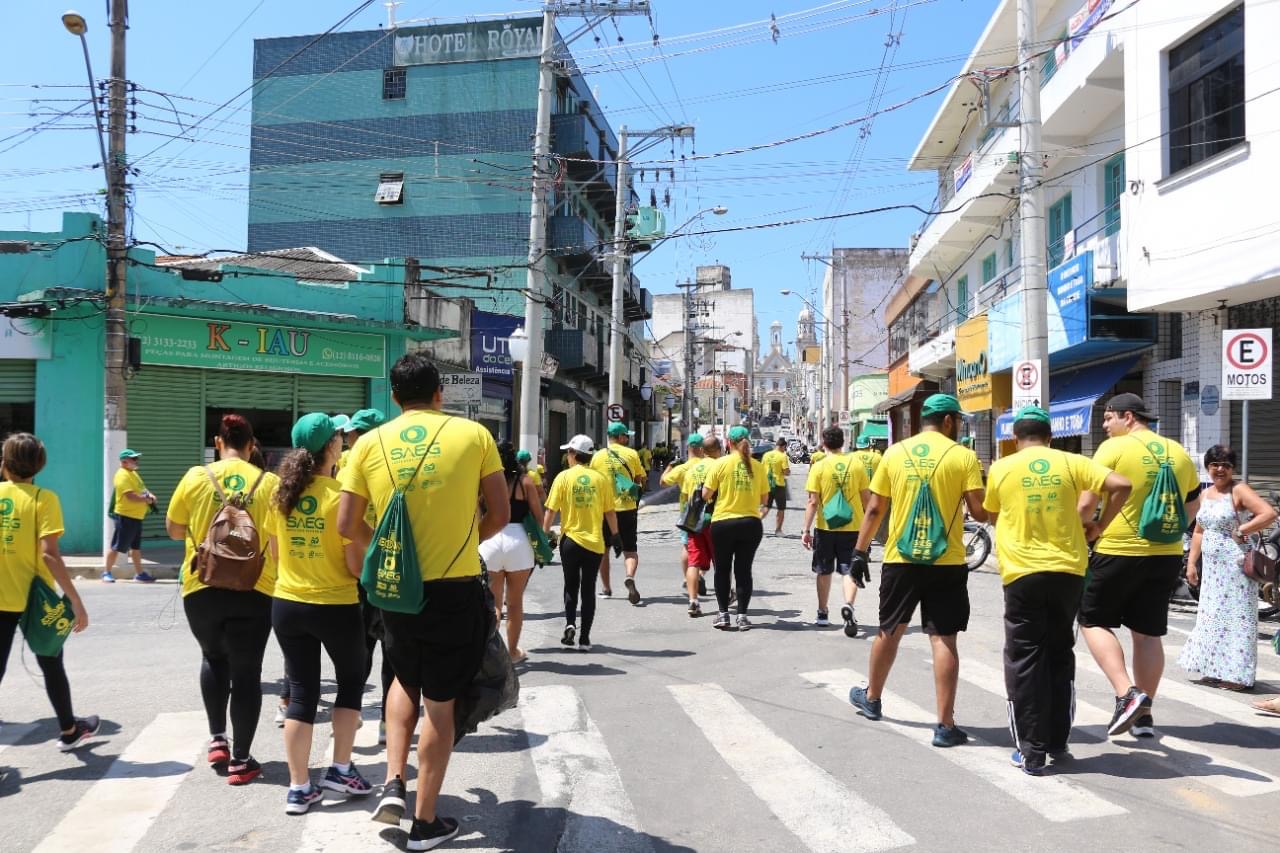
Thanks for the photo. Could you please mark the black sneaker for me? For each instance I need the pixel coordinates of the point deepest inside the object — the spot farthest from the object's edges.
(633, 594)
(947, 736)
(391, 805)
(1127, 708)
(86, 728)
(429, 836)
(702, 585)
(568, 638)
(1144, 725)
(850, 624)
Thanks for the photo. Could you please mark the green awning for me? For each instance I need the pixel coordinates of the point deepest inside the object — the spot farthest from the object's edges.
(875, 429)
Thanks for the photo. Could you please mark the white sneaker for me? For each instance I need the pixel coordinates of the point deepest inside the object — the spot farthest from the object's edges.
(744, 624)
(822, 621)
(280, 711)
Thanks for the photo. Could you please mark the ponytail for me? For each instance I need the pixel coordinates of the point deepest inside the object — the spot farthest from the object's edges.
(744, 450)
(297, 471)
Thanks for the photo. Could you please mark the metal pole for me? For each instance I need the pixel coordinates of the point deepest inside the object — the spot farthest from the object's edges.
(621, 269)
(115, 333)
(536, 281)
(1244, 443)
(1035, 333)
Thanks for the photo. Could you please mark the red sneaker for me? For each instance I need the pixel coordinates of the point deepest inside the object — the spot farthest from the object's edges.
(219, 751)
(243, 772)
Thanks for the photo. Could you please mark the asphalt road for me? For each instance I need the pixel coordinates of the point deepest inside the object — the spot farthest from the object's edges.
(667, 737)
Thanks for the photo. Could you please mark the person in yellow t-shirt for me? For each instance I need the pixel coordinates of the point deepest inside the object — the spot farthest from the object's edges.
(130, 502)
(939, 587)
(1033, 500)
(777, 466)
(584, 498)
(673, 475)
(445, 466)
(619, 458)
(231, 627)
(739, 486)
(30, 524)
(354, 427)
(866, 456)
(816, 456)
(1130, 576)
(696, 558)
(833, 548)
(316, 606)
(646, 459)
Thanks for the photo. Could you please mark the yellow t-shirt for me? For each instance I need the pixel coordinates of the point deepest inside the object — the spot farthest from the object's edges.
(312, 568)
(195, 502)
(675, 477)
(1137, 456)
(443, 503)
(869, 459)
(816, 456)
(22, 507)
(618, 458)
(582, 496)
(952, 469)
(646, 458)
(776, 464)
(128, 481)
(1035, 491)
(695, 475)
(739, 492)
(535, 476)
(838, 471)
(344, 459)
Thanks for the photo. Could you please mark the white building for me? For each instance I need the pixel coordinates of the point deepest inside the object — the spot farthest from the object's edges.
(775, 379)
(721, 314)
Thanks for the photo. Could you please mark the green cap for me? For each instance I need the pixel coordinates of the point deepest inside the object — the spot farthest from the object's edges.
(695, 440)
(523, 456)
(863, 441)
(941, 404)
(129, 454)
(1032, 413)
(364, 420)
(738, 433)
(618, 428)
(966, 441)
(313, 431)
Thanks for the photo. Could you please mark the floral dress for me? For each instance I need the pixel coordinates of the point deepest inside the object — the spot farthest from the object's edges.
(1224, 642)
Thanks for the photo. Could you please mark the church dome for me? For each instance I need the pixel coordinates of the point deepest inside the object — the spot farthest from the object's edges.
(806, 316)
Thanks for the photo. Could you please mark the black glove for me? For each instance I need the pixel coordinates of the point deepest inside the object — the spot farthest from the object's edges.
(616, 543)
(860, 568)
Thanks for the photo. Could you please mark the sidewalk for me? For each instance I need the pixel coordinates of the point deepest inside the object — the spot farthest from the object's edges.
(161, 559)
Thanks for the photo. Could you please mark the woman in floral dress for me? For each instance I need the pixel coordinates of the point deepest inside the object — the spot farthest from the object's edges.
(1223, 647)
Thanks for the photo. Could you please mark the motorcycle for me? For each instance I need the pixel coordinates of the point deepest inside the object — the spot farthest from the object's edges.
(977, 543)
(799, 456)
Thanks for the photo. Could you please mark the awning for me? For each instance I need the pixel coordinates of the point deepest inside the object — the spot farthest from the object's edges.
(874, 429)
(920, 389)
(561, 391)
(1074, 393)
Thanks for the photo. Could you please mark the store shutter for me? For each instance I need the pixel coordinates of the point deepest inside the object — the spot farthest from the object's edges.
(17, 381)
(166, 423)
(331, 394)
(235, 389)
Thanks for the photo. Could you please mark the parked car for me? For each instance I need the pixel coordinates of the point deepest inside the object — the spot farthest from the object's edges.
(760, 448)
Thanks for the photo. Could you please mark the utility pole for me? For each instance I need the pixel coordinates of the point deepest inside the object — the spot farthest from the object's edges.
(115, 334)
(1035, 333)
(694, 309)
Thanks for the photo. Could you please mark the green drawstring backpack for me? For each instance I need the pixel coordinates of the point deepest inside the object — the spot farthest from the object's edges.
(623, 485)
(925, 538)
(1164, 515)
(48, 618)
(837, 511)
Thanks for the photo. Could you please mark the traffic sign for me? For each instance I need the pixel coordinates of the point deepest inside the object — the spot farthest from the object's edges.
(1246, 364)
(1028, 383)
(615, 412)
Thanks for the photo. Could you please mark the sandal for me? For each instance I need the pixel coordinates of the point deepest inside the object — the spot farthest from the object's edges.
(519, 656)
(1232, 686)
(1206, 681)
(1268, 706)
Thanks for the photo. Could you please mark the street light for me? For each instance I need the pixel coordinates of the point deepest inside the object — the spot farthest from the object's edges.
(518, 348)
(76, 25)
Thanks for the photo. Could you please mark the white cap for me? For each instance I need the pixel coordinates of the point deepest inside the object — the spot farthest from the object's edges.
(580, 443)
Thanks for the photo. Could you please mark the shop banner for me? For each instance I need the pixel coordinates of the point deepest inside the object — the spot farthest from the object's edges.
(973, 368)
(489, 353)
(28, 339)
(220, 345)
(1069, 285)
(1072, 417)
(462, 388)
(475, 41)
(1084, 20)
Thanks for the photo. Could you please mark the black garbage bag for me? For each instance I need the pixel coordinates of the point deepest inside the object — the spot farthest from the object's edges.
(495, 688)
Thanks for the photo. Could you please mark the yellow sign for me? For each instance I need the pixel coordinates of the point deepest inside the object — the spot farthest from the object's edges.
(973, 368)
(812, 355)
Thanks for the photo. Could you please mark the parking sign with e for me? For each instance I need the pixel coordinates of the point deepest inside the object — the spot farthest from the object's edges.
(1246, 364)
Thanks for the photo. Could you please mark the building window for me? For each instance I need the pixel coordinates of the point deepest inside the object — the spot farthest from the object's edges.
(962, 298)
(1173, 340)
(1054, 58)
(1008, 254)
(394, 83)
(1113, 189)
(1059, 227)
(1206, 92)
(989, 268)
(390, 188)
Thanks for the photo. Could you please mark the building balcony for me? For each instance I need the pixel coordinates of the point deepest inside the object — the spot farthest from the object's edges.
(579, 352)
(1086, 87)
(572, 237)
(575, 136)
(640, 307)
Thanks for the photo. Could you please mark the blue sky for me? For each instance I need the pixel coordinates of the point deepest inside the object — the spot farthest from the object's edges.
(736, 86)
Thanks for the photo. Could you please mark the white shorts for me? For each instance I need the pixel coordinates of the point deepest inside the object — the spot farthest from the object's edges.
(509, 551)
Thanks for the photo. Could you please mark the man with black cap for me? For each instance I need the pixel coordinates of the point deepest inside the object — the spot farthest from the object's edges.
(1033, 502)
(1137, 558)
(921, 484)
(619, 458)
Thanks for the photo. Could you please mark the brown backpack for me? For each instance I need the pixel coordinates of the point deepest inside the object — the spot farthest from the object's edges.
(232, 553)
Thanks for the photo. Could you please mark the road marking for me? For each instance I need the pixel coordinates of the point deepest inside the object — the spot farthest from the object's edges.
(1055, 798)
(1191, 760)
(339, 822)
(12, 733)
(822, 813)
(117, 810)
(577, 773)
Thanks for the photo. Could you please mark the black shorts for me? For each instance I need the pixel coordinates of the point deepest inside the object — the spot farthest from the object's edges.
(628, 520)
(1130, 591)
(833, 552)
(777, 498)
(439, 650)
(127, 536)
(941, 591)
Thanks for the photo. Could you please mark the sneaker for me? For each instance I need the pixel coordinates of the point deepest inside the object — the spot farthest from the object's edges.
(219, 751)
(867, 707)
(350, 782)
(1127, 707)
(584, 645)
(695, 609)
(570, 631)
(946, 736)
(391, 804)
(633, 594)
(605, 593)
(702, 585)
(382, 732)
(850, 624)
(107, 577)
(1143, 726)
(744, 624)
(722, 621)
(242, 772)
(1026, 764)
(429, 836)
(1058, 756)
(280, 715)
(822, 621)
(299, 801)
(86, 728)
(143, 577)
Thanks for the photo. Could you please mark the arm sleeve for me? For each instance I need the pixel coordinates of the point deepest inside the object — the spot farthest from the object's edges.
(490, 461)
(50, 509)
(973, 474)
(811, 482)
(180, 504)
(882, 483)
(991, 501)
(1091, 475)
(555, 493)
(351, 478)
(1106, 454)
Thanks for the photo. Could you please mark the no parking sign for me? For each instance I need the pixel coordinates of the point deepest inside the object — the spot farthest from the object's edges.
(1246, 364)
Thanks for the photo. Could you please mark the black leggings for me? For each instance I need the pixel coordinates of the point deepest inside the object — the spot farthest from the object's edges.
(232, 629)
(581, 567)
(735, 541)
(301, 629)
(55, 676)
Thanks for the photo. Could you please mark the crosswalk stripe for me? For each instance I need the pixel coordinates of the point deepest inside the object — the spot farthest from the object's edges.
(339, 822)
(117, 810)
(822, 813)
(12, 733)
(576, 772)
(1056, 798)
(1191, 759)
